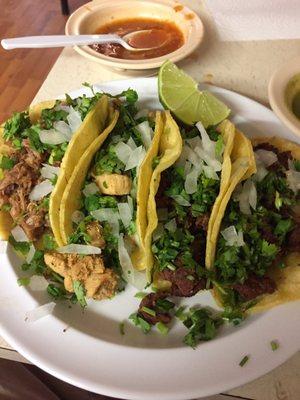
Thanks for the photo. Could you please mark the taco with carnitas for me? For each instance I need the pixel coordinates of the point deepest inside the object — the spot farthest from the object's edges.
(105, 201)
(186, 192)
(257, 261)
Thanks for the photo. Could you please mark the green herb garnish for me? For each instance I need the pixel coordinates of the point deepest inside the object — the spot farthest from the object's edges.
(80, 293)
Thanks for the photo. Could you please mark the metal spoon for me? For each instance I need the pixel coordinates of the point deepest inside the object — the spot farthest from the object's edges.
(36, 42)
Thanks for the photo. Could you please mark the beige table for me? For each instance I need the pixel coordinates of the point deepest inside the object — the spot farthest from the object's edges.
(244, 67)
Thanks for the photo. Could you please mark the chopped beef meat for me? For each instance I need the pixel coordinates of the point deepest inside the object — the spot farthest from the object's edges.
(185, 282)
(202, 221)
(267, 233)
(150, 301)
(34, 221)
(294, 239)
(284, 157)
(255, 286)
(32, 157)
(266, 146)
(196, 247)
(163, 201)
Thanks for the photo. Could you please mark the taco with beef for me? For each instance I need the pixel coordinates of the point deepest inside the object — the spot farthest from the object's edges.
(257, 257)
(186, 193)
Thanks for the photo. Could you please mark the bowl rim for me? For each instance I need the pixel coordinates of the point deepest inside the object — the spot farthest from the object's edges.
(276, 92)
(195, 26)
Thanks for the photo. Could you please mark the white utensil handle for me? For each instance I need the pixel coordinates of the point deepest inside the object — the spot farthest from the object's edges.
(57, 41)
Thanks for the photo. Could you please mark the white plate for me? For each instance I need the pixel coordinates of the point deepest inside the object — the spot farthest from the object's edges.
(93, 355)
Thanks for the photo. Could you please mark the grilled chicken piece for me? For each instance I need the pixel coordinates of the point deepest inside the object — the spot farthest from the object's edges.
(99, 282)
(113, 184)
(95, 231)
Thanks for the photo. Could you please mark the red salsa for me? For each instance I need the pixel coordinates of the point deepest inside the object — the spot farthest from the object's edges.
(164, 38)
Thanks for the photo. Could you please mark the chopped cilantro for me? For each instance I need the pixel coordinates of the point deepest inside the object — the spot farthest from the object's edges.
(56, 291)
(164, 305)
(162, 328)
(149, 311)
(140, 295)
(140, 322)
(34, 139)
(16, 125)
(37, 264)
(278, 200)
(6, 162)
(181, 314)
(49, 242)
(155, 162)
(274, 345)
(219, 146)
(23, 281)
(202, 326)
(244, 360)
(80, 293)
(6, 207)
(122, 328)
(21, 247)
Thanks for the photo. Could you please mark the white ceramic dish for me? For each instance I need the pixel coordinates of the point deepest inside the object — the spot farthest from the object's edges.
(88, 18)
(276, 91)
(93, 355)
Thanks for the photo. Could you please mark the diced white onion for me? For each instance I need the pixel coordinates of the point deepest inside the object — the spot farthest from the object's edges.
(39, 312)
(233, 238)
(77, 216)
(209, 158)
(90, 189)
(192, 156)
(246, 194)
(74, 119)
(159, 231)
(131, 143)
(133, 277)
(187, 168)
(38, 283)
(123, 152)
(142, 113)
(19, 235)
(261, 170)
(49, 172)
(209, 146)
(41, 190)
(293, 180)
(130, 203)
(209, 172)
(63, 107)
(125, 214)
(180, 200)
(51, 136)
(194, 142)
(79, 249)
(162, 214)
(108, 215)
(63, 127)
(135, 159)
(267, 157)
(146, 133)
(191, 180)
(30, 254)
(171, 226)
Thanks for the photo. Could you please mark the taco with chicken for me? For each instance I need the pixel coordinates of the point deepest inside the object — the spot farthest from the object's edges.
(104, 205)
(257, 259)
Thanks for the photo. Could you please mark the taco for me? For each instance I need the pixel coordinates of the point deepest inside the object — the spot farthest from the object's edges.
(185, 198)
(258, 249)
(38, 150)
(104, 205)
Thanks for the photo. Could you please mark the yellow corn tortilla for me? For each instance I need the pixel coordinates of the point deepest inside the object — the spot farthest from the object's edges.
(70, 199)
(242, 166)
(138, 257)
(169, 150)
(288, 279)
(89, 130)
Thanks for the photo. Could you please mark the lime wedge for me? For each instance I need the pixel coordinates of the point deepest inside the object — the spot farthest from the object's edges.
(179, 93)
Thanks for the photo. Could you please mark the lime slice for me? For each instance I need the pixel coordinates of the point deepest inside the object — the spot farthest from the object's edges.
(179, 93)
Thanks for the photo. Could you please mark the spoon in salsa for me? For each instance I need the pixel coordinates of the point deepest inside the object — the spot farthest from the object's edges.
(146, 39)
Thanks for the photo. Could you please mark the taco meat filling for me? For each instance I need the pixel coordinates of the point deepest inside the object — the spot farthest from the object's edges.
(270, 228)
(16, 186)
(177, 249)
(154, 308)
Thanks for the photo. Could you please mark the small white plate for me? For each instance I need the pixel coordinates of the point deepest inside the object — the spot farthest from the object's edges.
(93, 355)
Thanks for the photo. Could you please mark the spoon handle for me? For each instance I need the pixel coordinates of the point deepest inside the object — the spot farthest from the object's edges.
(36, 42)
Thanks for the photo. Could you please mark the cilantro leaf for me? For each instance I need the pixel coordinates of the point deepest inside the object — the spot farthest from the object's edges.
(6, 162)
(16, 125)
(80, 293)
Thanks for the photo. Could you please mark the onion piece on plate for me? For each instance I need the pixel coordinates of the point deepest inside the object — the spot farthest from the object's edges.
(39, 312)
(125, 214)
(41, 190)
(90, 188)
(77, 216)
(38, 283)
(30, 254)
(74, 119)
(78, 249)
(267, 157)
(123, 152)
(233, 238)
(51, 136)
(49, 171)
(19, 235)
(146, 133)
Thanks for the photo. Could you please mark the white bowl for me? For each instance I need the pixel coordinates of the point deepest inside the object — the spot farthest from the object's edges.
(88, 18)
(277, 96)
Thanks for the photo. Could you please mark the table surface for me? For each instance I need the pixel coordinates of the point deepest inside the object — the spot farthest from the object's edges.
(244, 67)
